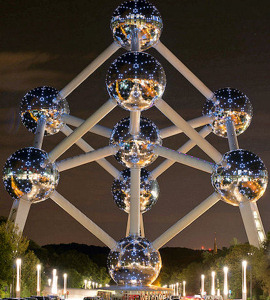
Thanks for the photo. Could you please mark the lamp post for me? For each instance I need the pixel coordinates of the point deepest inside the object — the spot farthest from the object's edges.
(184, 288)
(85, 283)
(54, 282)
(213, 291)
(65, 284)
(38, 279)
(225, 288)
(202, 285)
(244, 280)
(18, 278)
(49, 282)
(177, 289)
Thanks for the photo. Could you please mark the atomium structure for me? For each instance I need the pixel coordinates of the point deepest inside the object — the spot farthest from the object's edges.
(136, 82)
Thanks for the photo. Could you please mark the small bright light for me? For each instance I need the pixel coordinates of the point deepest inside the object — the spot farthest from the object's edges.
(244, 263)
(49, 282)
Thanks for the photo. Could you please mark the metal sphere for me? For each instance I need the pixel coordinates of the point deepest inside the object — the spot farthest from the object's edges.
(135, 150)
(134, 261)
(43, 101)
(149, 191)
(240, 176)
(136, 80)
(229, 102)
(140, 16)
(28, 174)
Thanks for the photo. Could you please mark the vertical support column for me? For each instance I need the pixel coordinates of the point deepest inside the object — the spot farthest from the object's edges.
(19, 213)
(253, 223)
(142, 225)
(135, 201)
(249, 211)
(39, 135)
(128, 225)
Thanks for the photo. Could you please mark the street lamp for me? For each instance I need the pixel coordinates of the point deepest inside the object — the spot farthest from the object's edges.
(54, 282)
(177, 289)
(18, 282)
(184, 288)
(65, 284)
(49, 282)
(213, 291)
(225, 288)
(85, 283)
(244, 280)
(202, 285)
(38, 279)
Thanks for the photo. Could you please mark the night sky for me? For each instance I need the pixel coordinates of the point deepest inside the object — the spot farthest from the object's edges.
(225, 43)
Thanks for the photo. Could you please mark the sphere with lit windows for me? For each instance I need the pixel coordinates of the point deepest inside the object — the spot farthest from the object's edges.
(240, 176)
(43, 102)
(28, 174)
(134, 262)
(136, 80)
(137, 19)
(135, 150)
(228, 103)
(149, 191)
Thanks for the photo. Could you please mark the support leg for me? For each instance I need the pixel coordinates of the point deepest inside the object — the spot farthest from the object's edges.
(83, 219)
(19, 213)
(186, 220)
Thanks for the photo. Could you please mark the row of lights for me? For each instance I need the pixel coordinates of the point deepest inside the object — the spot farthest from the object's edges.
(51, 282)
(175, 286)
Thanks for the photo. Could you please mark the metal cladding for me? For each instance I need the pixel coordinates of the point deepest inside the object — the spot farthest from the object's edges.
(229, 102)
(43, 101)
(135, 150)
(241, 176)
(29, 175)
(134, 261)
(149, 191)
(136, 80)
(138, 15)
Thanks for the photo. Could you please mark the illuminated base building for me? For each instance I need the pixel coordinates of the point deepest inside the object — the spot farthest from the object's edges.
(136, 81)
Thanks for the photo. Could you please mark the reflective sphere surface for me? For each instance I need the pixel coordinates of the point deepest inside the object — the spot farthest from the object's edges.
(134, 262)
(138, 15)
(136, 80)
(229, 103)
(135, 150)
(241, 176)
(149, 191)
(43, 101)
(28, 174)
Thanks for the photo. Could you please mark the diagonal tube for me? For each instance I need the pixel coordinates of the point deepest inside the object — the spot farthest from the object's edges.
(186, 220)
(87, 148)
(232, 138)
(76, 122)
(194, 123)
(107, 53)
(184, 159)
(82, 129)
(172, 115)
(83, 219)
(88, 157)
(39, 135)
(180, 67)
(184, 149)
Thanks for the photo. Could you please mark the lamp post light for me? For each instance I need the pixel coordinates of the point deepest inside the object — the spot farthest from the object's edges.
(54, 282)
(202, 285)
(177, 289)
(96, 285)
(244, 280)
(49, 282)
(213, 290)
(225, 287)
(18, 278)
(184, 288)
(89, 284)
(38, 279)
(65, 284)
(85, 283)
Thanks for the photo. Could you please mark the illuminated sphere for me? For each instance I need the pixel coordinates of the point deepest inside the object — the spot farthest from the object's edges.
(231, 103)
(149, 191)
(135, 150)
(43, 101)
(241, 176)
(134, 261)
(28, 174)
(136, 80)
(138, 15)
